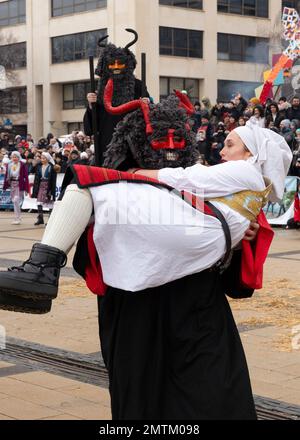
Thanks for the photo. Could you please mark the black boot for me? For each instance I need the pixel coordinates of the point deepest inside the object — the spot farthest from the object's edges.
(14, 303)
(40, 217)
(38, 277)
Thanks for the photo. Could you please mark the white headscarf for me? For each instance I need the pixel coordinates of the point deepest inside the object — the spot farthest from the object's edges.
(17, 154)
(272, 155)
(49, 158)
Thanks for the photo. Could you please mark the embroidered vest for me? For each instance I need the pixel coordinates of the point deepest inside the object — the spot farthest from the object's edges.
(247, 203)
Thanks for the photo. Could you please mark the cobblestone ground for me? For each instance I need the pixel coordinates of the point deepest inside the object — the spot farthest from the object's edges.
(269, 325)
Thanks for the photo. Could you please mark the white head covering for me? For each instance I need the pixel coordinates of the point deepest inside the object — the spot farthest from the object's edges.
(48, 157)
(17, 154)
(271, 155)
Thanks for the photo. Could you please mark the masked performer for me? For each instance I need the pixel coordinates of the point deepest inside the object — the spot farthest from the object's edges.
(118, 64)
(167, 333)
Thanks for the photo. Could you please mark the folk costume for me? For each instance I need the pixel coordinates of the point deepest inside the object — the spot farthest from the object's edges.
(44, 187)
(16, 178)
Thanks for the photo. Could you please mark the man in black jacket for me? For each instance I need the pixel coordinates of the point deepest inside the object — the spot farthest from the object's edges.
(294, 111)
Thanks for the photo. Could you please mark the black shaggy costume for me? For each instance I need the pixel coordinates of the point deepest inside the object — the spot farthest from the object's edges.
(172, 352)
(127, 88)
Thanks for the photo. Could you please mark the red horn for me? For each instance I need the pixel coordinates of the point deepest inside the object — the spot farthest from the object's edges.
(185, 102)
(124, 108)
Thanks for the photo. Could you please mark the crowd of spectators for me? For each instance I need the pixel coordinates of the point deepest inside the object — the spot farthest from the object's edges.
(211, 124)
(65, 151)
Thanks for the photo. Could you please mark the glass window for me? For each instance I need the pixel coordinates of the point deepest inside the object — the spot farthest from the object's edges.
(13, 101)
(13, 56)
(76, 46)
(75, 126)
(63, 7)
(228, 89)
(192, 4)
(12, 12)
(255, 8)
(180, 42)
(243, 48)
(169, 84)
(74, 95)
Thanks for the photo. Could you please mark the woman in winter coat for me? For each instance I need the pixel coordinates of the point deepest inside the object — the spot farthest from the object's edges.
(16, 179)
(44, 187)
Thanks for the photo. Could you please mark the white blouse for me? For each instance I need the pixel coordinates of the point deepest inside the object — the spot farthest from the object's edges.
(146, 236)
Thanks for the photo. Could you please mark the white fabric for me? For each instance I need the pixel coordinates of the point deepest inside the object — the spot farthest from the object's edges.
(69, 219)
(139, 253)
(271, 155)
(49, 158)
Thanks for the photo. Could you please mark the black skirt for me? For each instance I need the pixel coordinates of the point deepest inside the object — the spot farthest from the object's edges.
(174, 353)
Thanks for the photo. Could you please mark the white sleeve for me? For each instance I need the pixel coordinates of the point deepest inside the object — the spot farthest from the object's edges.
(217, 181)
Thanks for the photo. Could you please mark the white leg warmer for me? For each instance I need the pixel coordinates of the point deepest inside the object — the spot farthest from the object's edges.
(69, 219)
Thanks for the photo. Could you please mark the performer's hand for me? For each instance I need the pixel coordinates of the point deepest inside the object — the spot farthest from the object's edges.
(92, 98)
(146, 100)
(251, 233)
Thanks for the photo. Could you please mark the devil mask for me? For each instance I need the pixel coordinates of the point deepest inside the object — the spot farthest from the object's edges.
(156, 136)
(119, 64)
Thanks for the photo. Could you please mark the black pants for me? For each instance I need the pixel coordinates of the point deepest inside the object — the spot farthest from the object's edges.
(174, 352)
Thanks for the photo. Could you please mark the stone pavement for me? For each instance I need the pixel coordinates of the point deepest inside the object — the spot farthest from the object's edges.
(41, 374)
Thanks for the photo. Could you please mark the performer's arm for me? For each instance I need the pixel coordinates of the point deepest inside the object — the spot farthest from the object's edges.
(217, 181)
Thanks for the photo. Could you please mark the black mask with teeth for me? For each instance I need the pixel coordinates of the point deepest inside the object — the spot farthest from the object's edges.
(130, 139)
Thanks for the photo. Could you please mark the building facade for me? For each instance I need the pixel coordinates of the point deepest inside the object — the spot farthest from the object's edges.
(208, 47)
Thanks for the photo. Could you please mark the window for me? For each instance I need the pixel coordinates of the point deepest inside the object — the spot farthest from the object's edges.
(13, 56)
(74, 95)
(76, 46)
(13, 101)
(243, 48)
(75, 126)
(12, 12)
(192, 4)
(62, 7)
(168, 85)
(255, 8)
(291, 4)
(180, 42)
(228, 89)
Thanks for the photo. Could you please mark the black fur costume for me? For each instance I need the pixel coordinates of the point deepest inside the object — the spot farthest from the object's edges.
(130, 138)
(127, 88)
(172, 352)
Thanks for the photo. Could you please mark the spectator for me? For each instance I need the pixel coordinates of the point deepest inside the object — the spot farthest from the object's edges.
(206, 105)
(204, 136)
(16, 179)
(258, 116)
(240, 104)
(197, 117)
(273, 114)
(232, 123)
(74, 157)
(242, 121)
(218, 144)
(286, 132)
(294, 111)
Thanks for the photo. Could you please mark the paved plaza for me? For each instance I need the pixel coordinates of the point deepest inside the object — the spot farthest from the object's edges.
(51, 368)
